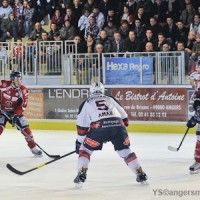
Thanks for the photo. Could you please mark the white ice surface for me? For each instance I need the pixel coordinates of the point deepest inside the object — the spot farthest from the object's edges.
(108, 176)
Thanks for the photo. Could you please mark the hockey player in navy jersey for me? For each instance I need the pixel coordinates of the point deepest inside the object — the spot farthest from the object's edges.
(101, 119)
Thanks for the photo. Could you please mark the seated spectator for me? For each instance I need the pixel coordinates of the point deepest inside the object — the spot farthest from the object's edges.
(69, 15)
(5, 10)
(104, 6)
(149, 38)
(92, 29)
(195, 25)
(196, 49)
(9, 28)
(68, 31)
(90, 44)
(132, 5)
(161, 40)
(63, 4)
(53, 30)
(106, 43)
(36, 34)
(112, 16)
(110, 29)
(124, 29)
(57, 19)
(132, 44)
(117, 43)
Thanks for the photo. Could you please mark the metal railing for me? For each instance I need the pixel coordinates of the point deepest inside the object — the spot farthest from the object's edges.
(57, 62)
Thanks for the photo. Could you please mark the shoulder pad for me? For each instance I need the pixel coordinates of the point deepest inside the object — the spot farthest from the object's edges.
(5, 83)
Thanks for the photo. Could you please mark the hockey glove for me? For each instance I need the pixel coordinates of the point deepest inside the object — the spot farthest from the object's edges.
(19, 103)
(191, 123)
(14, 119)
(78, 145)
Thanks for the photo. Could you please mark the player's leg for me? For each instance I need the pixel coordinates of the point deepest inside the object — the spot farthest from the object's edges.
(121, 144)
(26, 131)
(3, 121)
(194, 168)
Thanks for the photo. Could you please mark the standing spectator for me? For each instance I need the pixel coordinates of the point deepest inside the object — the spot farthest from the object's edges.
(57, 19)
(5, 10)
(40, 12)
(92, 29)
(9, 28)
(139, 29)
(28, 13)
(90, 5)
(147, 7)
(36, 34)
(140, 14)
(190, 42)
(170, 30)
(77, 8)
(18, 14)
(187, 15)
(132, 5)
(63, 4)
(103, 39)
(132, 44)
(126, 15)
(83, 22)
(68, 31)
(196, 49)
(159, 10)
(100, 19)
(53, 30)
(182, 32)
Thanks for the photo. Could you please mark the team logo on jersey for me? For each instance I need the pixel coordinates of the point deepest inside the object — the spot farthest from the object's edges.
(8, 103)
(91, 142)
(127, 141)
(6, 96)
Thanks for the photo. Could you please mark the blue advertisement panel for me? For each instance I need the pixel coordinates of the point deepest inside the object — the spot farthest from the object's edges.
(129, 71)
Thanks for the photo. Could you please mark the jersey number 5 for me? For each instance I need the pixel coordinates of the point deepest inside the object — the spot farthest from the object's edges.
(101, 105)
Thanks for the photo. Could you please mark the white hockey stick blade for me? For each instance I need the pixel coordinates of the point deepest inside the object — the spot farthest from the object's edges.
(172, 148)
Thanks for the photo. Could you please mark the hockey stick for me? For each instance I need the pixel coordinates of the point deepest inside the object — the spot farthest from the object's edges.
(12, 169)
(176, 149)
(30, 138)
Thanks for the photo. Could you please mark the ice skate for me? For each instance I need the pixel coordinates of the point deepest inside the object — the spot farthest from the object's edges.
(141, 176)
(36, 152)
(80, 178)
(195, 168)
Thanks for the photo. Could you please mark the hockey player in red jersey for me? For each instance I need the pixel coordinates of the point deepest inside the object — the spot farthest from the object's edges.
(195, 82)
(102, 119)
(13, 102)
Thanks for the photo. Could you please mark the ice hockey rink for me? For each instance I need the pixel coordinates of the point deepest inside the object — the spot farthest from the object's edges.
(108, 177)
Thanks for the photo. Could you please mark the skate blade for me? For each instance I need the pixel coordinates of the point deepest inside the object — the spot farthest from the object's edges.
(144, 183)
(195, 172)
(37, 156)
(79, 185)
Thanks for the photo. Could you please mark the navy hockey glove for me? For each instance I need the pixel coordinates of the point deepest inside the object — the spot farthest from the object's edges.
(19, 103)
(191, 123)
(78, 145)
(14, 119)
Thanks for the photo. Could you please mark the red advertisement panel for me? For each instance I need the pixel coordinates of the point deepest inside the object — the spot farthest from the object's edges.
(153, 104)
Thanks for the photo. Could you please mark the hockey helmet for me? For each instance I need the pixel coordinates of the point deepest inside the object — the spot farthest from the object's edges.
(196, 104)
(15, 74)
(97, 88)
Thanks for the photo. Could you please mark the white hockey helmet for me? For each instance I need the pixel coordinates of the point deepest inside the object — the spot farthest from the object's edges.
(97, 88)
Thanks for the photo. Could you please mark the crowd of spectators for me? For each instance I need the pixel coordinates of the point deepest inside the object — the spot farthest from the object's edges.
(117, 25)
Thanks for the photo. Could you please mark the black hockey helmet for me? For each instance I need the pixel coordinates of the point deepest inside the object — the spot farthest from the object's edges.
(15, 74)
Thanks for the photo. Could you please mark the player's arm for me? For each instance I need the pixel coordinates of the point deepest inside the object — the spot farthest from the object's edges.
(121, 110)
(82, 124)
(22, 101)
